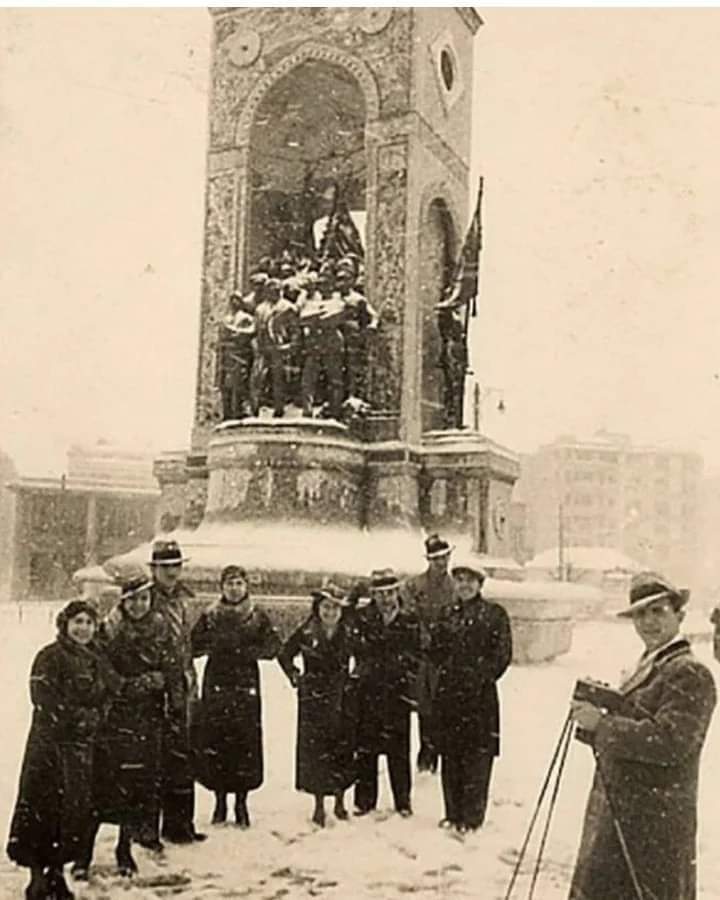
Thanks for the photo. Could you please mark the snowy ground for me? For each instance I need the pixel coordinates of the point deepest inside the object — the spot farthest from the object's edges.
(385, 857)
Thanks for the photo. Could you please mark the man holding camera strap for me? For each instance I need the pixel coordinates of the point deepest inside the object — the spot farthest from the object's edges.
(639, 836)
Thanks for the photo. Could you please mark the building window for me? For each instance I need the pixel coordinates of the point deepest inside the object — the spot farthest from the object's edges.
(447, 68)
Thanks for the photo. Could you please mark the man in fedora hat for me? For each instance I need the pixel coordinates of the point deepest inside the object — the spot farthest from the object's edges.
(388, 654)
(472, 646)
(427, 595)
(170, 597)
(639, 837)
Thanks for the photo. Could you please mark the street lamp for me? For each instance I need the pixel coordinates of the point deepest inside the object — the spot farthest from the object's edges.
(480, 395)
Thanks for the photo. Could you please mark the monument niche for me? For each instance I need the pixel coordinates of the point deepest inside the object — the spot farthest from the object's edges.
(328, 433)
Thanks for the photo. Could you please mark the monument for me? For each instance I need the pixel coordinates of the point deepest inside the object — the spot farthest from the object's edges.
(337, 173)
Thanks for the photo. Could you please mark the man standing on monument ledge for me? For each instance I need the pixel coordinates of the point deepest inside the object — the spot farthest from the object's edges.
(426, 595)
(177, 799)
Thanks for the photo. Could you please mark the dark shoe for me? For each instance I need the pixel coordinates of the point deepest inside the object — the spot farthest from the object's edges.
(405, 812)
(184, 837)
(127, 866)
(242, 816)
(362, 810)
(340, 812)
(220, 813)
(319, 818)
(154, 845)
(57, 888)
(446, 824)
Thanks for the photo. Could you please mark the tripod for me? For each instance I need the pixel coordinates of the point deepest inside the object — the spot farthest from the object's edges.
(558, 760)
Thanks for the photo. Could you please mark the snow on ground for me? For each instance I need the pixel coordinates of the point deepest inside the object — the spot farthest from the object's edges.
(374, 858)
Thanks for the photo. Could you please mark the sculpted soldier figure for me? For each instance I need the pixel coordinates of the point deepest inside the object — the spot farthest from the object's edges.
(321, 317)
(236, 355)
(360, 320)
(453, 362)
(275, 336)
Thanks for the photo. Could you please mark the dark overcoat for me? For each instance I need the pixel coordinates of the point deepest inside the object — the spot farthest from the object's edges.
(388, 657)
(427, 595)
(327, 707)
(647, 759)
(228, 734)
(472, 647)
(54, 804)
(128, 759)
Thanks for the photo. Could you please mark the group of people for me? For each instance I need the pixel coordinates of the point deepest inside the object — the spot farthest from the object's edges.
(300, 335)
(120, 733)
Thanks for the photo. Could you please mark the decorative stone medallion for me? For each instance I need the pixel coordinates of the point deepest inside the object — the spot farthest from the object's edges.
(374, 19)
(243, 47)
(499, 518)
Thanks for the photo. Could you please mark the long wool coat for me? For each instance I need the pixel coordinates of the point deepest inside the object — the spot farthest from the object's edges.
(647, 759)
(228, 734)
(472, 647)
(54, 803)
(388, 658)
(128, 761)
(327, 701)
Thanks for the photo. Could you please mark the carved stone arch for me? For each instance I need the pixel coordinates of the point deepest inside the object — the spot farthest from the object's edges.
(309, 51)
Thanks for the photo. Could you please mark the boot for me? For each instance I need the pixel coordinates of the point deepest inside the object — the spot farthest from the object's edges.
(220, 813)
(57, 886)
(242, 816)
(318, 817)
(339, 810)
(127, 866)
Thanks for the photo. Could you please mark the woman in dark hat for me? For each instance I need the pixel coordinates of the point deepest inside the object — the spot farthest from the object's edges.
(389, 652)
(472, 646)
(54, 803)
(135, 641)
(325, 735)
(640, 832)
(234, 634)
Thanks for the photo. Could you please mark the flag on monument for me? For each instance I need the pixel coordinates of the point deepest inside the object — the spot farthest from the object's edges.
(341, 237)
(463, 288)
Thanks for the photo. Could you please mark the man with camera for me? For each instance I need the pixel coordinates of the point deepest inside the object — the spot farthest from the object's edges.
(639, 837)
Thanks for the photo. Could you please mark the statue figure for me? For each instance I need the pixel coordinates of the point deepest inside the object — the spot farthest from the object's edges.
(276, 334)
(235, 348)
(360, 320)
(322, 315)
(453, 362)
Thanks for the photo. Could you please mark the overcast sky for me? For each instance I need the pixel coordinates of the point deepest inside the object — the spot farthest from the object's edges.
(597, 134)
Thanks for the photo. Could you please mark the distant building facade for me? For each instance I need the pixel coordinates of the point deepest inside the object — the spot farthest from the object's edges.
(105, 504)
(607, 492)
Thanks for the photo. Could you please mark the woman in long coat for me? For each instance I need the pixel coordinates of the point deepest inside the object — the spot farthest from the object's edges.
(234, 634)
(135, 641)
(325, 750)
(388, 659)
(472, 646)
(54, 804)
(647, 755)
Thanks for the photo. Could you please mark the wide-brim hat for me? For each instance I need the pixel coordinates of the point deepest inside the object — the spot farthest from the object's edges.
(647, 588)
(472, 568)
(167, 553)
(129, 577)
(383, 580)
(435, 546)
(328, 590)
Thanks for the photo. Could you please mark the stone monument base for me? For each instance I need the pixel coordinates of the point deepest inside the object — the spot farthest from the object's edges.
(296, 500)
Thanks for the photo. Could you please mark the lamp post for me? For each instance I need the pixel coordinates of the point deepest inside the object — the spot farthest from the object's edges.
(482, 394)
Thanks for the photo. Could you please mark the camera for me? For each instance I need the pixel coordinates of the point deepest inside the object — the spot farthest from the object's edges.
(599, 694)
